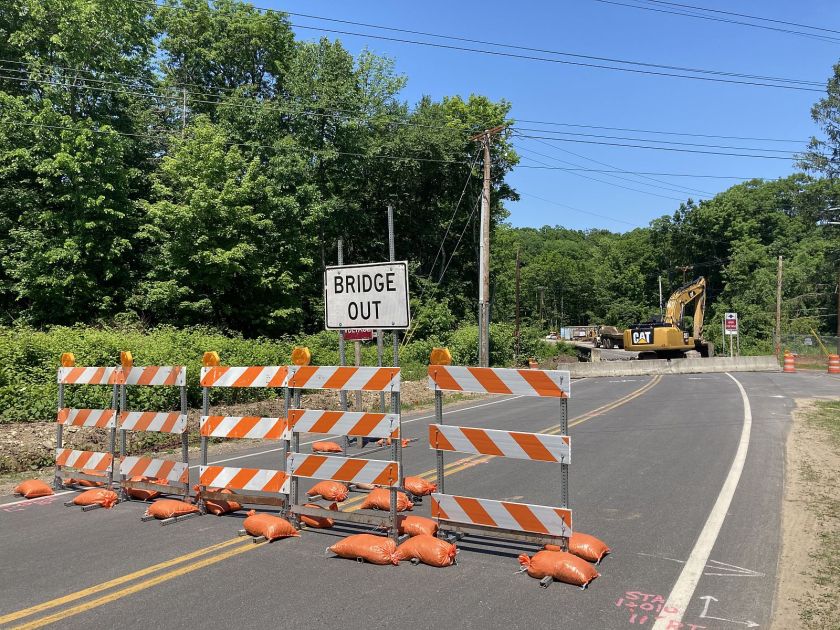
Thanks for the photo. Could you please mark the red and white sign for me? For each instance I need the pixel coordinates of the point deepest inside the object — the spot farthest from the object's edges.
(357, 334)
(730, 323)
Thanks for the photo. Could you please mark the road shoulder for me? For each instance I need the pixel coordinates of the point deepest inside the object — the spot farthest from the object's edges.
(809, 564)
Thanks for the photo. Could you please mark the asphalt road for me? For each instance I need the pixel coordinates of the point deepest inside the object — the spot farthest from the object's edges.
(650, 458)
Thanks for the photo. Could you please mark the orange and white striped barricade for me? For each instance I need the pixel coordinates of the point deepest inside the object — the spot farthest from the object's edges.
(258, 486)
(504, 519)
(161, 475)
(348, 470)
(95, 466)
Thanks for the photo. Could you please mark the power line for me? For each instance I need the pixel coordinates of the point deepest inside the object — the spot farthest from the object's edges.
(594, 179)
(758, 80)
(675, 142)
(744, 15)
(663, 185)
(640, 146)
(816, 36)
(670, 133)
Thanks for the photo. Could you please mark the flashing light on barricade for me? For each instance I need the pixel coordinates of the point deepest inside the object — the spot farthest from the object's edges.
(301, 355)
(440, 356)
(126, 359)
(68, 359)
(210, 359)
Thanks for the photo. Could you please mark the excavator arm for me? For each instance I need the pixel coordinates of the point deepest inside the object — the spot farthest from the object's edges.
(682, 297)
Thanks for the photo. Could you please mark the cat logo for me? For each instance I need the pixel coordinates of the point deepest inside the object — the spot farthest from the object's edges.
(641, 336)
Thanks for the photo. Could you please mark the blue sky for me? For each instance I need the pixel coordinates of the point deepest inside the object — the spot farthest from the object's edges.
(586, 96)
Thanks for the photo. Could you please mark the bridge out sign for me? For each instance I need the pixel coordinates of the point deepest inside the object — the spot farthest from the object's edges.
(367, 296)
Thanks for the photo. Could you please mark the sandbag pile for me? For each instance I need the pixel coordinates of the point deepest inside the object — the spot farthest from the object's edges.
(367, 547)
(32, 489)
(380, 499)
(169, 508)
(419, 487)
(272, 527)
(428, 550)
(417, 525)
(559, 565)
(97, 496)
(318, 522)
(330, 490)
(584, 546)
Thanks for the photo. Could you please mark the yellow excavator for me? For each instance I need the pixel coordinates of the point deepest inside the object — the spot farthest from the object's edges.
(664, 337)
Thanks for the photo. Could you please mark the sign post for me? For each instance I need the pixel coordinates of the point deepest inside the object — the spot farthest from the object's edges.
(730, 328)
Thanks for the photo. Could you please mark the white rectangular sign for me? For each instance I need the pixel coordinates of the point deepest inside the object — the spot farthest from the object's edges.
(730, 323)
(367, 296)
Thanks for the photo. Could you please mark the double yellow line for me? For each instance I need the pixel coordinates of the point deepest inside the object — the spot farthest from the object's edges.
(237, 546)
(474, 460)
(201, 558)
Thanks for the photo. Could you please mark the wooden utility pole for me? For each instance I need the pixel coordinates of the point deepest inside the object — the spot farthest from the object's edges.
(484, 253)
(779, 308)
(516, 334)
(542, 305)
(838, 312)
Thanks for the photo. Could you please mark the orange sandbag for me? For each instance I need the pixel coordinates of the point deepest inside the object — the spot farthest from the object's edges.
(428, 550)
(374, 549)
(167, 508)
(272, 527)
(141, 494)
(419, 486)
(318, 522)
(330, 490)
(33, 488)
(218, 506)
(417, 525)
(87, 483)
(326, 447)
(588, 547)
(562, 566)
(380, 499)
(105, 498)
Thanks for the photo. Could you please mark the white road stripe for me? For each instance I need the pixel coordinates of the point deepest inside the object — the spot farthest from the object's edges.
(683, 590)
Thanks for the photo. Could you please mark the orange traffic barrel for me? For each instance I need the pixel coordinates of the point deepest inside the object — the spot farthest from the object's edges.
(790, 362)
(834, 363)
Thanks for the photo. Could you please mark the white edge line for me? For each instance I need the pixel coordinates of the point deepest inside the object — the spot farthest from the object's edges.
(690, 575)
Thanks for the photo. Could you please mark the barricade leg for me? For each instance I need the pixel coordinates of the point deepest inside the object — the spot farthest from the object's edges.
(58, 483)
(205, 410)
(185, 442)
(564, 467)
(112, 437)
(438, 452)
(123, 441)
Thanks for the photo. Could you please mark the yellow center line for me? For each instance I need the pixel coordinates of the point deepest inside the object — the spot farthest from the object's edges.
(26, 612)
(473, 460)
(134, 588)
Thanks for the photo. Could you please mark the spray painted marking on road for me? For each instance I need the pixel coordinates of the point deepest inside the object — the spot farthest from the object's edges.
(686, 583)
(20, 506)
(644, 607)
(708, 599)
(713, 567)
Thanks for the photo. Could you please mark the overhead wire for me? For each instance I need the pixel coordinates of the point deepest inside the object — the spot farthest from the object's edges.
(713, 75)
(815, 36)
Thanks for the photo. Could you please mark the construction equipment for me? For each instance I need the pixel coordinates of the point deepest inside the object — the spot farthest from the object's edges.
(609, 337)
(665, 337)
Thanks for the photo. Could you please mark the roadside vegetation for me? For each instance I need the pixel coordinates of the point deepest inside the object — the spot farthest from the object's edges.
(809, 571)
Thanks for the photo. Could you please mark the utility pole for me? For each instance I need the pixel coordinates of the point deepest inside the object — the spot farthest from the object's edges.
(779, 308)
(661, 312)
(484, 252)
(542, 305)
(184, 113)
(516, 334)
